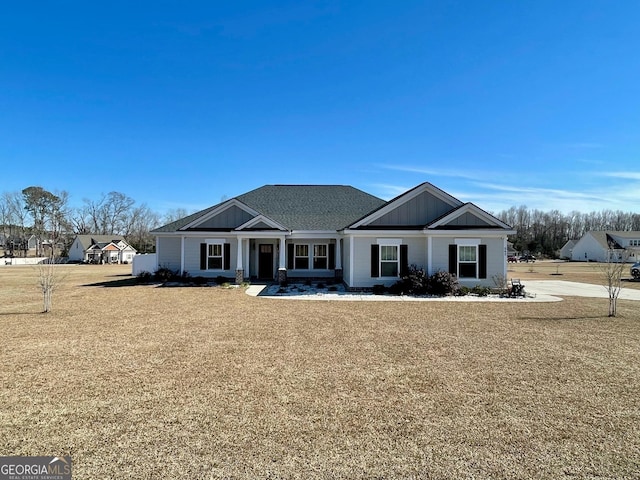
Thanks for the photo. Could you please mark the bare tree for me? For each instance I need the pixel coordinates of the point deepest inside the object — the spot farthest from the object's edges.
(108, 216)
(48, 280)
(612, 271)
(174, 214)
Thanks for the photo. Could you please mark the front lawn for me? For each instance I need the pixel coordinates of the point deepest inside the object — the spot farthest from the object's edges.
(140, 381)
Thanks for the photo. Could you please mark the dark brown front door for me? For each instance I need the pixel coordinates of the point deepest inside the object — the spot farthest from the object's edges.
(265, 261)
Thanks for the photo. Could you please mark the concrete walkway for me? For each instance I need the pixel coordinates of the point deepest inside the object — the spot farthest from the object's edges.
(576, 289)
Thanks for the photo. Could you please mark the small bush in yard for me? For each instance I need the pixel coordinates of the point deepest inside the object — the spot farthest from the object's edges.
(443, 283)
(415, 282)
(481, 291)
(145, 277)
(462, 291)
(164, 274)
(199, 280)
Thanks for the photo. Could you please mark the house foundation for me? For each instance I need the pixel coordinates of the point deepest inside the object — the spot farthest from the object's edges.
(239, 276)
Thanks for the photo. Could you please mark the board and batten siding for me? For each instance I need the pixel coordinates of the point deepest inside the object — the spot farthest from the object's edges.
(231, 217)
(420, 210)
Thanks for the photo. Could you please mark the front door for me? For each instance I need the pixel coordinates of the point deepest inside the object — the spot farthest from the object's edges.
(265, 261)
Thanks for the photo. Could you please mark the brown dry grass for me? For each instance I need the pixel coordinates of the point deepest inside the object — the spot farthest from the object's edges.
(147, 382)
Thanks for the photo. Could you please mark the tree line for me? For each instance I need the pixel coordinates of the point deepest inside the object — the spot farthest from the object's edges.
(49, 218)
(546, 232)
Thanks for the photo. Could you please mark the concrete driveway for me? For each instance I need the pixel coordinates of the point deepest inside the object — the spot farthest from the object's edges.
(576, 289)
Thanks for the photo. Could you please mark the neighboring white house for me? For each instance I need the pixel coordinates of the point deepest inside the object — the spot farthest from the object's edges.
(101, 249)
(567, 249)
(602, 246)
(333, 231)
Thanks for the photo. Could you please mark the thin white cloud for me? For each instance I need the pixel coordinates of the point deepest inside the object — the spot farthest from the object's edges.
(623, 175)
(435, 172)
(386, 191)
(584, 145)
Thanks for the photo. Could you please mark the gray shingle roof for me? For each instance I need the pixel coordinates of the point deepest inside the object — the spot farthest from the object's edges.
(301, 207)
(87, 240)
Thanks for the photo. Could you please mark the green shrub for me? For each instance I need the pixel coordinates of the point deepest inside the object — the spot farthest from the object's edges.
(415, 282)
(145, 277)
(443, 283)
(199, 280)
(463, 291)
(481, 291)
(164, 274)
(379, 289)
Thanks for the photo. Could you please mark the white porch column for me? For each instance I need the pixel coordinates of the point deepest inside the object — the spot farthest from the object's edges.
(247, 258)
(338, 255)
(239, 256)
(239, 269)
(181, 254)
(282, 259)
(282, 262)
(430, 255)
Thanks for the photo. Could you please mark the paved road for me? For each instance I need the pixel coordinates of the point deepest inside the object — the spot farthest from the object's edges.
(576, 289)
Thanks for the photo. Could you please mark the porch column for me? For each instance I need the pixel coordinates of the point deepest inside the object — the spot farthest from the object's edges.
(430, 255)
(247, 258)
(282, 261)
(239, 269)
(338, 261)
(181, 254)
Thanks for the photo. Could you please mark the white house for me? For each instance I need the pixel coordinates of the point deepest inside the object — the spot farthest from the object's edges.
(567, 249)
(602, 246)
(101, 249)
(279, 232)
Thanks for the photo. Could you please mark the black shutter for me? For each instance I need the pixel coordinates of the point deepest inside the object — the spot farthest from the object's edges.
(203, 256)
(227, 256)
(375, 260)
(482, 259)
(453, 259)
(404, 260)
(332, 256)
(290, 256)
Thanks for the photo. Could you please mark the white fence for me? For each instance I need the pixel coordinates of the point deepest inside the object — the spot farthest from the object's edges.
(144, 263)
(22, 260)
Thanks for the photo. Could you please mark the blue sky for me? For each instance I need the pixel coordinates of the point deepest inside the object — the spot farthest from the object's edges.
(179, 104)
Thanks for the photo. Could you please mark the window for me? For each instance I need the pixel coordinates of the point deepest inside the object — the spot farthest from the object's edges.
(214, 256)
(320, 258)
(467, 261)
(389, 260)
(301, 257)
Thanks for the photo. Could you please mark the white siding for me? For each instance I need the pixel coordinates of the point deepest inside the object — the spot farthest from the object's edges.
(168, 249)
(192, 257)
(76, 252)
(496, 258)
(417, 254)
(588, 249)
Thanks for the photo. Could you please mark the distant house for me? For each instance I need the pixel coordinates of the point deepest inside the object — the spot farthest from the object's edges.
(285, 232)
(567, 250)
(101, 249)
(605, 246)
